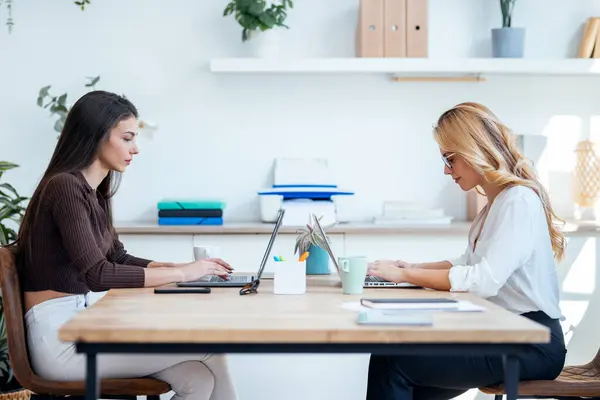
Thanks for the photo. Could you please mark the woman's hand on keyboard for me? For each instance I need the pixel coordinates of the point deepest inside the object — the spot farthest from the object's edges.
(395, 263)
(387, 270)
(206, 266)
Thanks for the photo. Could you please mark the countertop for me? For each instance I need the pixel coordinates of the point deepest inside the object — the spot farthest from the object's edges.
(459, 228)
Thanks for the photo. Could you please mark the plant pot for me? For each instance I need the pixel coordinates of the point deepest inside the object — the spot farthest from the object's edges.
(317, 262)
(264, 44)
(508, 42)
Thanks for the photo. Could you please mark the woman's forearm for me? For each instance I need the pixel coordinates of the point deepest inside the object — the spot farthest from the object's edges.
(157, 264)
(438, 279)
(157, 276)
(433, 265)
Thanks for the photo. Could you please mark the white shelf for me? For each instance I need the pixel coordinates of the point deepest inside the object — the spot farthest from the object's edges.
(410, 66)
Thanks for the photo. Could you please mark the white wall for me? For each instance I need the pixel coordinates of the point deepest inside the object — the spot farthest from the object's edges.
(219, 133)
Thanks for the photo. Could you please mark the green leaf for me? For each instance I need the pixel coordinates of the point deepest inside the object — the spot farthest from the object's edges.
(7, 212)
(44, 91)
(256, 9)
(243, 6)
(229, 9)
(267, 19)
(3, 235)
(58, 125)
(9, 203)
(93, 81)
(249, 22)
(62, 100)
(11, 234)
(5, 165)
(8, 186)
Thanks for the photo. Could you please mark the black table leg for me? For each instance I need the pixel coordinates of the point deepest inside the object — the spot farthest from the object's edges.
(511, 376)
(91, 377)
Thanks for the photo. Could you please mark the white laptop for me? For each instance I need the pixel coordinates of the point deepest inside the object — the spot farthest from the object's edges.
(370, 281)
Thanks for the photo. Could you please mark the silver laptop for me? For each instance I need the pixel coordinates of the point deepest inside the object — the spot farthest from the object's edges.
(239, 280)
(370, 281)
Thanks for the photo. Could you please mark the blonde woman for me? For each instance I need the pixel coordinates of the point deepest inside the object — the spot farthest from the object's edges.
(510, 260)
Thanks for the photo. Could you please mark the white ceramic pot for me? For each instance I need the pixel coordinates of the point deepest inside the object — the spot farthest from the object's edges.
(265, 44)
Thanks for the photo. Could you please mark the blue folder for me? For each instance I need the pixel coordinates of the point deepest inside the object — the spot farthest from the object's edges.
(190, 220)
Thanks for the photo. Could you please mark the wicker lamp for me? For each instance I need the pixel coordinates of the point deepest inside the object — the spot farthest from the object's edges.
(587, 176)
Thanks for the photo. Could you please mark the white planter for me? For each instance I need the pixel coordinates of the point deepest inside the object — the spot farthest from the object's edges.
(265, 44)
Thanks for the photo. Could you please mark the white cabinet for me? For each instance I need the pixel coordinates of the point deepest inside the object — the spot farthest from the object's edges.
(413, 248)
(165, 248)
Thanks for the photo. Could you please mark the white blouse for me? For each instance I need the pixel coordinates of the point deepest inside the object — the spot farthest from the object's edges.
(513, 264)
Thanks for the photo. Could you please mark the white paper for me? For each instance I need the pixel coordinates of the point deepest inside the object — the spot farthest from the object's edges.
(462, 306)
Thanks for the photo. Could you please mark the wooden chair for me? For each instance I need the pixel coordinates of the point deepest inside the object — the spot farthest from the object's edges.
(574, 382)
(19, 359)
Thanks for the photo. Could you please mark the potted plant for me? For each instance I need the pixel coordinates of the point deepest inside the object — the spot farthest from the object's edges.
(311, 241)
(508, 41)
(11, 207)
(11, 213)
(259, 20)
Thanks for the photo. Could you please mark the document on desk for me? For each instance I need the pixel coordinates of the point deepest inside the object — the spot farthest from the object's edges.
(459, 306)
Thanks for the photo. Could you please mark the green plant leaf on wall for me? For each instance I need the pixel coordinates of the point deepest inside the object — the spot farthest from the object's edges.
(5, 166)
(256, 9)
(93, 81)
(82, 4)
(57, 105)
(253, 15)
(268, 20)
(62, 100)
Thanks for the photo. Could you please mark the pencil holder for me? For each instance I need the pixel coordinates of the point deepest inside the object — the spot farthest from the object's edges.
(289, 277)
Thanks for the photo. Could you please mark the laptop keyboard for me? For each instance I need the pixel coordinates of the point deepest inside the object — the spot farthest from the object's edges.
(371, 278)
(232, 278)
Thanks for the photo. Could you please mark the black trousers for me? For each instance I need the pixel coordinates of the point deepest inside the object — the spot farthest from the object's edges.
(415, 377)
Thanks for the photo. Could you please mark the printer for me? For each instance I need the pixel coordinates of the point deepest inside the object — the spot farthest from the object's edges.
(301, 186)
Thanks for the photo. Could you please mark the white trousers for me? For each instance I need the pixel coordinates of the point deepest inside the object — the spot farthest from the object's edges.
(191, 376)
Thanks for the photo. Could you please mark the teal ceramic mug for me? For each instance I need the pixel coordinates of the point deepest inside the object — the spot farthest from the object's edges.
(353, 271)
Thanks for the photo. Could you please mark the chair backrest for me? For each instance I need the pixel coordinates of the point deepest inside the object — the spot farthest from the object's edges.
(13, 317)
(596, 361)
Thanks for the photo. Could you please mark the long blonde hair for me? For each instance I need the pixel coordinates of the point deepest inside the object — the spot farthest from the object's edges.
(473, 132)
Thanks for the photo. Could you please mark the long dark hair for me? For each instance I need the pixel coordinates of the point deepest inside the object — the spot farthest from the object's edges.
(87, 126)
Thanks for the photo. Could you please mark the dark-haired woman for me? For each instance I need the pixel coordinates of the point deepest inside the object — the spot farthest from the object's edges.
(68, 254)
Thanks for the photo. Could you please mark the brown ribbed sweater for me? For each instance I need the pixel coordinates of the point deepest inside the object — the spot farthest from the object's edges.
(73, 250)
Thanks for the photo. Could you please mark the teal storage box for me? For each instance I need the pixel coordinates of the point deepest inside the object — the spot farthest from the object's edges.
(191, 204)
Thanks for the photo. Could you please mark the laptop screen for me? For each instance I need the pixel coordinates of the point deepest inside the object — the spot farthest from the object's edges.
(270, 245)
(326, 242)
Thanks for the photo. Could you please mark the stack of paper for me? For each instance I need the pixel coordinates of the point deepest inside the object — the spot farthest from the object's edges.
(411, 214)
(420, 304)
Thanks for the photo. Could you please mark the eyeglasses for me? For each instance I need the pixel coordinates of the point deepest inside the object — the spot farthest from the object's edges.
(250, 288)
(447, 161)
